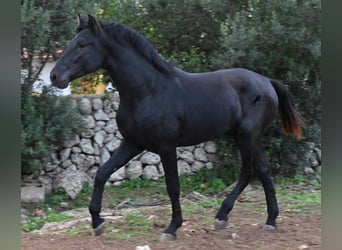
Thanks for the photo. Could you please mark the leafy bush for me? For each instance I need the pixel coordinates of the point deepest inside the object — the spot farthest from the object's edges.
(46, 122)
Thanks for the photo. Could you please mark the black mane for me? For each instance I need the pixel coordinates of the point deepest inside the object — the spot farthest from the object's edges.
(131, 38)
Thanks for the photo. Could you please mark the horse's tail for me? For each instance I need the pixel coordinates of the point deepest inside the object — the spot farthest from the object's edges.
(292, 122)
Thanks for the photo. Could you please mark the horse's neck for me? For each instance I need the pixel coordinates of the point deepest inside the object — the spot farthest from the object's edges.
(132, 75)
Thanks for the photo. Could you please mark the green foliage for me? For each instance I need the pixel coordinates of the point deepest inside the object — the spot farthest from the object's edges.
(205, 180)
(228, 162)
(36, 223)
(59, 195)
(183, 31)
(46, 122)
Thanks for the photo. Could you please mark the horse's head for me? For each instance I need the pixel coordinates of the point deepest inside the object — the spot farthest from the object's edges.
(83, 55)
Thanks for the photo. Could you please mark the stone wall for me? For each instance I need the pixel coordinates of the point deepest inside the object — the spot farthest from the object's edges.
(80, 157)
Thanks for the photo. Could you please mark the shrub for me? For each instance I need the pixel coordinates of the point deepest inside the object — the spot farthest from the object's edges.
(46, 122)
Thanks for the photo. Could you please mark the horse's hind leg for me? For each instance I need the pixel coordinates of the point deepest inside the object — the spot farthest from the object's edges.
(262, 169)
(120, 157)
(246, 148)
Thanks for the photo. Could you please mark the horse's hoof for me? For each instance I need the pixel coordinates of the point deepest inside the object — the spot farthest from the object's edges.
(269, 228)
(220, 224)
(167, 237)
(99, 229)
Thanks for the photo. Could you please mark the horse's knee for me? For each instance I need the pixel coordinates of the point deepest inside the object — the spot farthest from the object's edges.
(102, 175)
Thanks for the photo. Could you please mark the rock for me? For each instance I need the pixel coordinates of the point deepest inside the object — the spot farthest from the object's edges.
(107, 106)
(210, 147)
(64, 154)
(84, 106)
(150, 172)
(33, 194)
(49, 166)
(72, 182)
(46, 183)
(97, 104)
(187, 156)
(99, 138)
(72, 142)
(183, 168)
(209, 165)
(197, 165)
(92, 172)
(318, 153)
(113, 144)
(86, 146)
(118, 175)
(311, 145)
(309, 170)
(66, 163)
(54, 158)
(145, 247)
(108, 138)
(104, 155)
(200, 155)
(189, 148)
(64, 205)
(89, 133)
(88, 162)
(150, 158)
(100, 124)
(76, 150)
(71, 168)
(77, 158)
(314, 163)
(111, 126)
(96, 149)
(88, 121)
(119, 135)
(100, 115)
(134, 170)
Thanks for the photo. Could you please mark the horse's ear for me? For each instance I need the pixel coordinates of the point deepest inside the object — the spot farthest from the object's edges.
(82, 22)
(94, 25)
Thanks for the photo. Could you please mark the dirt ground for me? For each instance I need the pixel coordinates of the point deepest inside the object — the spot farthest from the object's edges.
(296, 230)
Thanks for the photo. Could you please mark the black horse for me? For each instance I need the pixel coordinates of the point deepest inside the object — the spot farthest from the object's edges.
(162, 107)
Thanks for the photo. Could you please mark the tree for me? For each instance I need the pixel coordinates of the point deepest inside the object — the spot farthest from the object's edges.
(46, 121)
(46, 27)
(183, 31)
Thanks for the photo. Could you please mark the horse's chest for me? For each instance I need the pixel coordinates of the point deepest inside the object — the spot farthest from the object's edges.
(146, 126)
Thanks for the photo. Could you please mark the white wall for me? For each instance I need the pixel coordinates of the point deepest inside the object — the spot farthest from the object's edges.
(45, 80)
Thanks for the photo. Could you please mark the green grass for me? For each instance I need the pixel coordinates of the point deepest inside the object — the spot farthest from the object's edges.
(135, 224)
(293, 201)
(36, 223)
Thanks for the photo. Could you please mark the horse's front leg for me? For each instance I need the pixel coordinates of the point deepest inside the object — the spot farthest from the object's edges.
(169, 160)
(120, 157)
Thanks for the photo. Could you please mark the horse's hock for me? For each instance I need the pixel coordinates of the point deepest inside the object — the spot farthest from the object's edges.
(81, 156)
